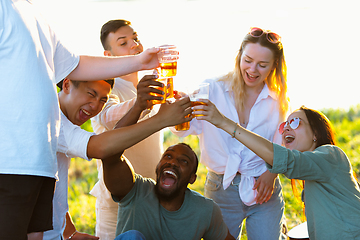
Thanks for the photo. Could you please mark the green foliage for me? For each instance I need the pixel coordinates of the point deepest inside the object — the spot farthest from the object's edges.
(83, 174)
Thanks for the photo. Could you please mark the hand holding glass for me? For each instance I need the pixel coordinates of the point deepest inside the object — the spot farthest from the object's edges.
(200, 92)
(164, 82)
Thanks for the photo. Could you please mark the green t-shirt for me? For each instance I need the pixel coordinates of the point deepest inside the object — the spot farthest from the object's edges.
(332, 195)
(198, 217)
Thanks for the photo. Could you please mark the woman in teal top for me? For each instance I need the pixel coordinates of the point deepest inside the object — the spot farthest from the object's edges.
(332, 194)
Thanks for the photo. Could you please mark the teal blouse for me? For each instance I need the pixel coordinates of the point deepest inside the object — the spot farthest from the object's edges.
(332, 195)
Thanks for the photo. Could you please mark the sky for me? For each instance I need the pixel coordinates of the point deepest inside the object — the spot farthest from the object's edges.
(320, 38)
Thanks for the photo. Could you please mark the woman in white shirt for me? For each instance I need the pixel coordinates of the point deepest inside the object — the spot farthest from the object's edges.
(253, 95)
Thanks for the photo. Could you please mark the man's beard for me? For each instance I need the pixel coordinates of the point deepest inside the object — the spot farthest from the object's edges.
(168, 195)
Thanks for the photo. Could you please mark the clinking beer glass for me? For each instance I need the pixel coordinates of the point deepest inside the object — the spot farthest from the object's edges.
(200, 92)
(168, 56)
(164, 89)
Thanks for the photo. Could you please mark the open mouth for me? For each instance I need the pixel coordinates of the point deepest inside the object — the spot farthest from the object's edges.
(251, 77)
(289, 139)
(168, 178)
(84, 115)
(86, 112)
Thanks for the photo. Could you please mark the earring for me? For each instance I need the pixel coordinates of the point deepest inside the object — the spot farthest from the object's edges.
(314, 140)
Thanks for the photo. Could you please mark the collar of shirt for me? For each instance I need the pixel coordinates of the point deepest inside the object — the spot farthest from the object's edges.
(265, 92)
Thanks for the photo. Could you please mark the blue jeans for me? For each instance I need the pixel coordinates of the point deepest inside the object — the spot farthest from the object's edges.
(130, 235)
(262, 221)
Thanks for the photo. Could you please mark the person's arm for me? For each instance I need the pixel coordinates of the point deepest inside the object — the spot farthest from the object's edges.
(99, 68)
(259, 145)
(117, 169)
(70, 231)
(143, 100)
(116, 141)
(115, 110)
(112, 142)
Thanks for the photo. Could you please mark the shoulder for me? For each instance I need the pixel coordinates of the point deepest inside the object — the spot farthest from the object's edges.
(143, 188)
(332, 152)
(199, 200)
(143, 185)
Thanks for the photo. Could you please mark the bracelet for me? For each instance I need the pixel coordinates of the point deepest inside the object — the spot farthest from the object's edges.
(72, 235)
(233, 135)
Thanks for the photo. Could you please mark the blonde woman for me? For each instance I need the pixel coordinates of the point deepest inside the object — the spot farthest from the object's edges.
(253, 95)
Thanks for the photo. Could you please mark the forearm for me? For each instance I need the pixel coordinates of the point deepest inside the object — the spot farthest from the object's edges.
(100, 68)
(259, 145)
(130, 118)
(69, 227)
(116, 141)
(118, 170)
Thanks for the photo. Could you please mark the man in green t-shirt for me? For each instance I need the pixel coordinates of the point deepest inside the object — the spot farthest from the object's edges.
(165, 209)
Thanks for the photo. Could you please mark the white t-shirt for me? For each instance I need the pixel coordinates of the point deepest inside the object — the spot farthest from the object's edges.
(73, 142)
(32, 60)
(223, 154)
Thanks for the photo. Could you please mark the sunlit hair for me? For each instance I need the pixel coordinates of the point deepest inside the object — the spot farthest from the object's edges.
(110, 81)
(321, 126)
(276, 79)
(324, 133)
(109, 27)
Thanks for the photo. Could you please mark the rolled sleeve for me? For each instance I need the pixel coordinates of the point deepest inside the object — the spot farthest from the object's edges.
(280, 161)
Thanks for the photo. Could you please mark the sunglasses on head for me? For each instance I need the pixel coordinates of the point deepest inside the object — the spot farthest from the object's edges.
(292, 123)
(270, 36)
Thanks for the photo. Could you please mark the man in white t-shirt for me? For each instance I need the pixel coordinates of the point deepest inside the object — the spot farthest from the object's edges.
(118, 39)
(80, 101)
(32, 61)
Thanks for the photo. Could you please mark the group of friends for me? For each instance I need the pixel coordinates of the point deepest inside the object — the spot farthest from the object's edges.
(246, 140)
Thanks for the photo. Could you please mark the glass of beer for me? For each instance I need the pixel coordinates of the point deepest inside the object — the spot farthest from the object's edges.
(183, 126)
(168, 56)
(200, 92)
(170, 87)
(164, 89)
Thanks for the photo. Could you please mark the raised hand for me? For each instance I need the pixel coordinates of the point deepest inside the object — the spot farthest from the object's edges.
(149, 58)
(210, 112)
(175, 113)
(143, 99)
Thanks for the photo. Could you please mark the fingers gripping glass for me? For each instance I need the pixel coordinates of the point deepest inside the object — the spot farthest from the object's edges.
(292, 123)
(270, 36)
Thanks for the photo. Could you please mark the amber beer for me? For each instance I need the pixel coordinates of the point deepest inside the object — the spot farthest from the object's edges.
(168, 57)
(164, 89)
(183, 126)
(168, 69)
(196, 103)
(170, 87)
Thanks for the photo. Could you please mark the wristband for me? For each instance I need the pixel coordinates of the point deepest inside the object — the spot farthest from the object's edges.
(72, 235)
(233, 135)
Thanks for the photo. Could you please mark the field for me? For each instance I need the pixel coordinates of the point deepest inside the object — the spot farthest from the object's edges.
(83, 174)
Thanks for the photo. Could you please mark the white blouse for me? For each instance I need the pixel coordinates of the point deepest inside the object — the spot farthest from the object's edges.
(223, 154)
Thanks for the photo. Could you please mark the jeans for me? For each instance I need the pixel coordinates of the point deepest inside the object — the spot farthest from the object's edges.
(263, 221)
(131, 235)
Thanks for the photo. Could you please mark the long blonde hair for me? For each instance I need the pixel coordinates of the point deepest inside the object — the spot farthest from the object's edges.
(276, 79)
